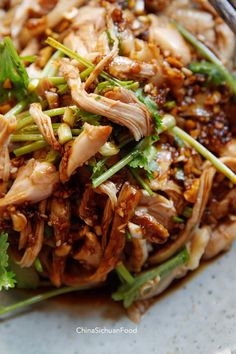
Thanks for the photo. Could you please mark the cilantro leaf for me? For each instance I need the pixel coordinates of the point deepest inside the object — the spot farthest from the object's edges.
(7, 279)
(99, 168)
(146, 159)
(151, 106)
(215, 75)
(14, 79)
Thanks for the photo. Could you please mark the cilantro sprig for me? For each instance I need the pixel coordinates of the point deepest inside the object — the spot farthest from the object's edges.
(147, 160)
(7, 278)
(214, 75)
(134, 288)
(151, 106)
(14, 79)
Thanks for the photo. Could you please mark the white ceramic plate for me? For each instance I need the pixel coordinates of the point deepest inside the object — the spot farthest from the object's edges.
(197, 318)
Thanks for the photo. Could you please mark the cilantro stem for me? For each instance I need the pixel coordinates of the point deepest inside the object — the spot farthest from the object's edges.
(168, 122)
(85, 73)
(209, 55)
(25, 137)
(119, 165)
(64, 133)
(123, 272)
(38, 298)
(51, 113)
(30, 148)
(33, 129)
(49, 70)
(56, 80)
(220, 166)
(38, 265)
(29, 58)
(141, 181)
(57, 45)
(17, 108)
(131, 291)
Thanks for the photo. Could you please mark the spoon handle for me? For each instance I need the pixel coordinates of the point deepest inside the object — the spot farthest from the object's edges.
(227, 10)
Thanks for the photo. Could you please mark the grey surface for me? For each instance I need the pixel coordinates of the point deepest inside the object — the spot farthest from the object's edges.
(198, 318)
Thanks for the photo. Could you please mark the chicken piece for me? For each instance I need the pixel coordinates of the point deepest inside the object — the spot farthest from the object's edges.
(104, 62)
(222, 208)
(229, 150)
(197, 246)
(137, 254)
(109, 188)
(90, 254)
(205, 24)
(57, 269)
(73, 42)
(59, 11)
(5, 165)
(106, 221)
(7, 126)
(20, 16)
(19, 221)
(225, 42)
(90, 15)
(88, 23)
(127, 202)
(170, 249)
(221, 238)
(25, 235)
(82, 149)
(44, 124)
(125, 68)
(35, 240)
(60, 219)
(153, 231)
(197, 22)
(134, 115)
(87, 207)
(155, 5)
(167, 37)
(161, 208)
(34, 182)
(194, 221)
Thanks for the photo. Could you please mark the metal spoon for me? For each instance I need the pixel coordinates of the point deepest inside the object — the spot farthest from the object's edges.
(227, 10)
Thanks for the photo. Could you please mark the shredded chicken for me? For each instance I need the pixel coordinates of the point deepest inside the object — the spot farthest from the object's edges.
(90, 254)
(127, 201)
(193, 222)
(123, 68)
(159, 207)
(21, 15)
(45, 125)
(60, 219)
(7, 127)
(60, 10)
(82, 149)
(34, 182)
(221, 239)
(35, 240)
(133, 115)
(138, 254)
(168, 38)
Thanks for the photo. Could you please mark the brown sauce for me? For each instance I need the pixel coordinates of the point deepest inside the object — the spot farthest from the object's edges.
(102, 296)
(95, 298)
